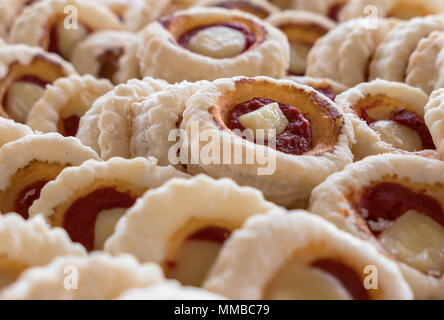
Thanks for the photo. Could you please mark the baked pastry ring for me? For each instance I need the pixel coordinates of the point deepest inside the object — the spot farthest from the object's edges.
(426, 63)
(310, 137)
(11, 130)
(281, 256)
(25, 244)
(212, 43)
(260, 8)
(9, 11)
(169, 290)
(401, 9)
(395, 201)
(328, 87)
(42, 158)
(24, 74)
(182, 232)
(302, 30)
(43, 24)
(65, 102)
(107, 126)
(98, 275)
(391, 58)
(434, 115)
(142, 12)
(329, 8)
(99, 54)
(129, 64)
(88, 200)
(387, 117)
(344, 53)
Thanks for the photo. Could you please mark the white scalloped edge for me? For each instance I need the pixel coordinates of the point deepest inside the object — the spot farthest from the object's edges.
(11, 130)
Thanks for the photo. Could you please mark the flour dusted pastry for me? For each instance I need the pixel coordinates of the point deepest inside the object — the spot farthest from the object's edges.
(325, 86)
(297, 256)
(302, 29)
(107, 126)
(88, 200)
(142, 12)
(329, 8)
(212, 43)
(41, 158)
(434, 116)
(285, 138)
(391, 59)
(52, 25)
(426, 63)
(344, 53)
(65, 102)
(94, 277)
(99, 53)
(24, 74)
(387, 117)
(182, 232)
(11, 130)
(169, 290)
(401, 9)
(26, 244)
(260, 8)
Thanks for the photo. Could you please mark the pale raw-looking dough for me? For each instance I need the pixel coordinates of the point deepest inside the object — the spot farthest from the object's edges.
(344, 53)
(162, 57)
(368, 141)
(31, 27)
(148, 229)
(86, 55)
(434, 118)
(255, 254)
(33, 243)
(392, 56)
(107, 126)
(291, 180)
(100, 277)
(426, 63)
(331, 201)
(143, 12)
(169, 290)
(11, 130)
(73, 95)
(9, 10)
(324, 7)
(260, 8)
(403, 9)
(129, 64)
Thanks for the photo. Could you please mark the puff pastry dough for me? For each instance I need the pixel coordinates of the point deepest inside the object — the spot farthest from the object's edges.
(260, 8)
(11, 130)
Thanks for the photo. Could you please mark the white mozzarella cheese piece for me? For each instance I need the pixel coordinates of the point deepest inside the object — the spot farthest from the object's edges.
(298, 57)
(105, 224)
(21, 98)
(69, 38)
(398, 135)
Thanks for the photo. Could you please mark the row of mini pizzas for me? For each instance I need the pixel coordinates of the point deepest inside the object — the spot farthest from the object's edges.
(375, 231)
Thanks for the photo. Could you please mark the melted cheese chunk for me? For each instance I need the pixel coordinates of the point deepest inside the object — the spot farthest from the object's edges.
(416, 240)
(21, 98)
(298, 57)
(105, 225)
(218, 42)
(268, 117)
(296, 281)
(401, 137)
(194, 260)
(69, 38)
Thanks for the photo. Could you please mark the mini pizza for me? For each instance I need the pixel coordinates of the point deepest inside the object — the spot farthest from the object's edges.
(169, 290)
(212, 43)
(185, 238)
(325, 86)
(426, 63)
(401, 9)
(65, 102)
(88, 200)
(390, 61)
(24, 74)
(344, 54)
(26, 244)
(42, 158)
(260, 8)
(99, 54)
(302, 30)
(107, 126)
(93, 277)
(387, 117)
(434, 116)
(286, 138)
(11, 130)
(54, 26)
(306, 258)
(396, 202)
(329, 8)
(142, 12)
